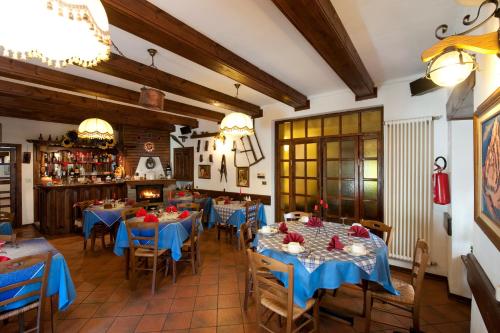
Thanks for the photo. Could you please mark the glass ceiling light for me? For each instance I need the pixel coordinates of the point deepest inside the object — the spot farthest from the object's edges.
(59, 32)
(95, 129)
(451, 67)
(237, 123)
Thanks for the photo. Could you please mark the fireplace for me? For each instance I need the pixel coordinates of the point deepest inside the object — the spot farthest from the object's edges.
(153, 193)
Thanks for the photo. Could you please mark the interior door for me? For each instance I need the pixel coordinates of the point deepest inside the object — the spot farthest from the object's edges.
(10, 185)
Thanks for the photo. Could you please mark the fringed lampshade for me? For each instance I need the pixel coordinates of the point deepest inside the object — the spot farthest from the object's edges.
(236, 124)
(60, 32)
(95, 129)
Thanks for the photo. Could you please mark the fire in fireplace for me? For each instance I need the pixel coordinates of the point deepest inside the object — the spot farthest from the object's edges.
(153, 193)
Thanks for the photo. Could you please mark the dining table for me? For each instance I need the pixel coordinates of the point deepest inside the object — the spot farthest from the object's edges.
(59, 278)
(318, 268)
(172, 232)
(233, 213)
(97, 213)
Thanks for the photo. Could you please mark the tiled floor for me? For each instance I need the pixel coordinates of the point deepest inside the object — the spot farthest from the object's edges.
(208, 302)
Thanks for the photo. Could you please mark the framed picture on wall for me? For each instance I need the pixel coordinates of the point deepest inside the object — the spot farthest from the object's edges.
(243, 176)
(204, 171)
(487, 167)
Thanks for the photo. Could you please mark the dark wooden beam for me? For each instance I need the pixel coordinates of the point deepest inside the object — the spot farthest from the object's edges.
(134, 71)
(64, 105)
(319, 23)
(21, 70)
(147, 21)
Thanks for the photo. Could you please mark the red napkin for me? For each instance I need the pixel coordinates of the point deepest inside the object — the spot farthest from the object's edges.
(360, 231)
(283, 227)
(184, 214)
(335, 243)
(293, 237)
(171, 209)
(4, 258)
(314, 222)
(227, 202)
(181, 193)
(151, 218)
(141, 212)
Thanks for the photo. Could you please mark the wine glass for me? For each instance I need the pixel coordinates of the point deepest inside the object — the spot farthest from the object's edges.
(343, 219)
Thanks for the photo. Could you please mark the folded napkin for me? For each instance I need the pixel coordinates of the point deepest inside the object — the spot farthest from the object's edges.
(141, 212)
(293, 237)
(171, 209)
(151, 218)
(335, 244)
(181, 193)
(283, 227)
(359, 231)
(314, 222)
(184, 214)
(4, 258)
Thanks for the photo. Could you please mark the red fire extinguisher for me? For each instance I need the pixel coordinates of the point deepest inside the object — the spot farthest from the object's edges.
(441, 183)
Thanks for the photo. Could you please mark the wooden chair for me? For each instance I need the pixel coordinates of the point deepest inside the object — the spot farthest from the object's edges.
(275, 298)
(252, 215)
(410, 293)
(227, 228)
(144, 248)
(78, 208)
(382, 230)
(246, 238)
(191, 206)
(295, 216)
(126, 214)
(191, 247)
(39, 286)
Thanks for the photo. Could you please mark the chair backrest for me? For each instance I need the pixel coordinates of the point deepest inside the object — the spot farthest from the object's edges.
(246, 236)
(6, 217)
(129, 213)
(420, 261)
(252, 214)
(295, 216)
(195, 225)
(142, 204)
(267, 287)
(192, 206)
(380, 228)
(142, 235)
(222, 198)
(39, 285)
(155, 205)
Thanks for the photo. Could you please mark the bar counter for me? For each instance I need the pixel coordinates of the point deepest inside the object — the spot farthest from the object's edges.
(54, 204)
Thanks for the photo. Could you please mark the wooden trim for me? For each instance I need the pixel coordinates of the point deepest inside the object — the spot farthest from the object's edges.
(134, 71)
(204, 135)
(21, 70)
(264, 199)
(165, 182)
(320, 24)
(484, 293)
(18, 218)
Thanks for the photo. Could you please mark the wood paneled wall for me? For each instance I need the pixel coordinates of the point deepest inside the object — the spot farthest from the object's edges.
(134, 138)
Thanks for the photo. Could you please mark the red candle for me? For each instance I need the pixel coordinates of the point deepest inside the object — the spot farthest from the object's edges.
(321, 202)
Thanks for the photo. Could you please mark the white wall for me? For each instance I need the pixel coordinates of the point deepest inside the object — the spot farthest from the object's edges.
(398, 104)
(15, 130)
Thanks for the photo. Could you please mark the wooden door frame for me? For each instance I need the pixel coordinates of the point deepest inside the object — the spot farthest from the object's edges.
(18, 183)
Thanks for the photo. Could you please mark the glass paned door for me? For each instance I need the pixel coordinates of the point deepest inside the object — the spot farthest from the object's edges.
(305, 175)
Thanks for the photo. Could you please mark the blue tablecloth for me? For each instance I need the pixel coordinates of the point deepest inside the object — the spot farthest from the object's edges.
(236, 216)
(171, 236)
(330, 274)
(6, 228)
(60, 281)
(92, 216)
(205, 203)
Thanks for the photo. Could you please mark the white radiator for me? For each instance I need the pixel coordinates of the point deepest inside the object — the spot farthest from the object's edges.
(408, 166)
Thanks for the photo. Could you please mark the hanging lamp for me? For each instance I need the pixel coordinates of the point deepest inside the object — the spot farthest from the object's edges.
(60, 32)
(150, 97)
(96, 129)
(236, 123)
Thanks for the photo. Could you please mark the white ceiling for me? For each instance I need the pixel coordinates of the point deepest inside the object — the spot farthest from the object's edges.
(388, 34)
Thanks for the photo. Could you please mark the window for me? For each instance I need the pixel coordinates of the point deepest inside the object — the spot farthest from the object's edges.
(337, 157)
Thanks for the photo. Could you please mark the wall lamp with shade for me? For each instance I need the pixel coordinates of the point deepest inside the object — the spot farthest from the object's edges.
(449, 60)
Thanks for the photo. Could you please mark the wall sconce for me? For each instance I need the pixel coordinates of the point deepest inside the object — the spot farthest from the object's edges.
(449, 63)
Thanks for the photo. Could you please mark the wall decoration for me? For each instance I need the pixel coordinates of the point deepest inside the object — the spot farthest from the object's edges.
(201, 158)
(149, 146)
(261, 175)
(487, 167)
(250, 146)
(27, 157)
(243, 176)
(223, 168)
(204, 171)
(150, 163)
(206, 145)
(210, 158)
(198, 146)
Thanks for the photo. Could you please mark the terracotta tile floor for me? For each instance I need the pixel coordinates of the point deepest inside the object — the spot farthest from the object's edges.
(208, 302)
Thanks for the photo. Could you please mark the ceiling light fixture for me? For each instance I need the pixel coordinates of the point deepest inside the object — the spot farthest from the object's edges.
(236, 123)
(60, 32)
(150, 97)
(95, 128)
(449, 63)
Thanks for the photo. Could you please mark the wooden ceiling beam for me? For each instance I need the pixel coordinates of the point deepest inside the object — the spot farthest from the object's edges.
(320, 24)
(21, 70)
(134, 71)
(147, 21)
(62, 104)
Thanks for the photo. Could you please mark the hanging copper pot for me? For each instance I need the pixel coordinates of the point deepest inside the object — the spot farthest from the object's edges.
(151, 98)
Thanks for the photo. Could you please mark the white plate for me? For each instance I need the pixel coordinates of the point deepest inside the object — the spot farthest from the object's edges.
(284, 247)
(357, 254)
(271, 231)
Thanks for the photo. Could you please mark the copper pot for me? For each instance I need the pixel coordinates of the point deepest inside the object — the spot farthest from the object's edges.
(151, 98)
